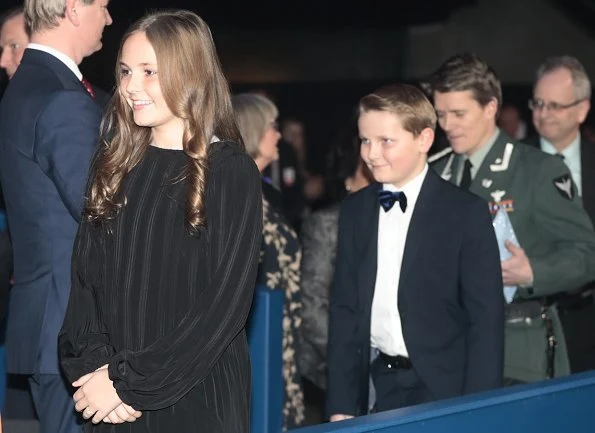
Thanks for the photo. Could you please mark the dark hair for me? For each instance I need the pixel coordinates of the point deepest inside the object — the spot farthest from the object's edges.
(343, 159)
(12, 13)
(463, 72)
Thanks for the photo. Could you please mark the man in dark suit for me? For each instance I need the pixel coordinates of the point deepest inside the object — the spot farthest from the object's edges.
(49, 126)
(560, 104)
(422, 329)
(14, 38)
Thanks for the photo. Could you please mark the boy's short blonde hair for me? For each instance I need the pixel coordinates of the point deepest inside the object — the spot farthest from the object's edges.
(407, 102)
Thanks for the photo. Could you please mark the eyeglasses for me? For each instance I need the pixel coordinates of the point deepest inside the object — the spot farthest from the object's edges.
(540, 104)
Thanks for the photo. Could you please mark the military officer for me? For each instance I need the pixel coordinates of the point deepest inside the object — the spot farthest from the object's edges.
(556, 251)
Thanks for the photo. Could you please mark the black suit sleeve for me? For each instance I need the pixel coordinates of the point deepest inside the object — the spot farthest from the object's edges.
(68, 133)
(344, 354)
(83, 342)
(483, 299)
(5, 270)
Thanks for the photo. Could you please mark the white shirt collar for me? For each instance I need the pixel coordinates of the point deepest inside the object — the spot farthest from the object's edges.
(571, 153)
(411, 189)
(70, 64)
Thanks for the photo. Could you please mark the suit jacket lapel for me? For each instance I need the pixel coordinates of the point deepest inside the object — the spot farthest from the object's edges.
(369, 244)
(420, 221)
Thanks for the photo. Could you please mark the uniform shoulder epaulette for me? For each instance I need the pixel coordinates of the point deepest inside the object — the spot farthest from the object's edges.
(435, 157)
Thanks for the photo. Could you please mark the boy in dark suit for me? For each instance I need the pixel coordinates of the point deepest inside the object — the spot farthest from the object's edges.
(416, 304)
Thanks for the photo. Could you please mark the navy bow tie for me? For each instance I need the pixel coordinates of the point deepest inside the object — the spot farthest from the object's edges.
(387, 200)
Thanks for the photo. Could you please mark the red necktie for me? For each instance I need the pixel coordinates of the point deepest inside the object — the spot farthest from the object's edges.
(88, 87)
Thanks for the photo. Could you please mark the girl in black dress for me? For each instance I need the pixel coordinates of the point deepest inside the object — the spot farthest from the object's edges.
(165, 259)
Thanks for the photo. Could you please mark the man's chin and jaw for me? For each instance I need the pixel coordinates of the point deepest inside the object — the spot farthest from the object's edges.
(91, 22)
(91, 48)
(461, 145)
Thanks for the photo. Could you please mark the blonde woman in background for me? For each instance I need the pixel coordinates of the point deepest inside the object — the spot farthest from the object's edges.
(281, 254)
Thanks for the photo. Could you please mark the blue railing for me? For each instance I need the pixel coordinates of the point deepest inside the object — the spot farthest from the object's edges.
(561, 405)
(265, 336)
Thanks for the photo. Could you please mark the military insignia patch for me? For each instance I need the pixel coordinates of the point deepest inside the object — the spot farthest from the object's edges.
(564, 186)
(507, 205)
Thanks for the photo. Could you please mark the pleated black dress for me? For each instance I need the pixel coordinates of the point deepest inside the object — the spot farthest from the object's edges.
(167, 310)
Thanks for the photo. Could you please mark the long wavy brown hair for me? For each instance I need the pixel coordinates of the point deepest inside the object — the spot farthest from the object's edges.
(195, 90)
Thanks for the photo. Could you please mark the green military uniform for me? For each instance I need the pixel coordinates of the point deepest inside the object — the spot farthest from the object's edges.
(551, 226)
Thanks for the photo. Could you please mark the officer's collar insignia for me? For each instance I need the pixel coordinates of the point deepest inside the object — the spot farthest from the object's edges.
(564, 186)
(447, 171)
(439, 155)
(501, 164)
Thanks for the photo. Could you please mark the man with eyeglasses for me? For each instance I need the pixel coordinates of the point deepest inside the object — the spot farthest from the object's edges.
(556, 251)
(560, 104)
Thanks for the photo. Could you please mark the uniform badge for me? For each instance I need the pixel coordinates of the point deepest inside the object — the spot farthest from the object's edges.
(507, 205)
(564, 186)
(498, 203)
(497, 195)
(486, 183)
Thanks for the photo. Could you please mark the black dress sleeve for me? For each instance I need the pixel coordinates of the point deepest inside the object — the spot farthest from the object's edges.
(83, 342)
(162, 373)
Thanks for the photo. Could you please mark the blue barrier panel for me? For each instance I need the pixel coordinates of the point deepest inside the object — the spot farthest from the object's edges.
(265, 337)
(560, 405)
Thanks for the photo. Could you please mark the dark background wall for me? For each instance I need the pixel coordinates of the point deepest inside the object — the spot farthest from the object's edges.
(316, 58)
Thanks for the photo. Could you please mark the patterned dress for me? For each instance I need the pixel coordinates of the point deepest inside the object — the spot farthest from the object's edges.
(319, 242)
(279, 268)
